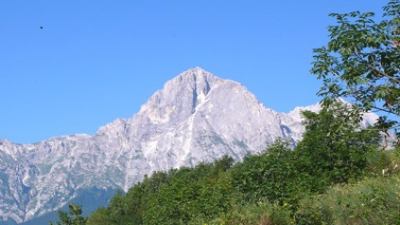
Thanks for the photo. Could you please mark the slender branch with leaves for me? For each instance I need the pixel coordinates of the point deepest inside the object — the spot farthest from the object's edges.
(361, 61)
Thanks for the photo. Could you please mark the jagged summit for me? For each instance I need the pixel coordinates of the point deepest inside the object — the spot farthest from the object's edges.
(196, 117)
(193, 76)
(195, 79)
(196, 72)
(181, 96)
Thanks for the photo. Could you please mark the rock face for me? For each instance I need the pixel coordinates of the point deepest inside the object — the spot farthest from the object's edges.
(197, 117)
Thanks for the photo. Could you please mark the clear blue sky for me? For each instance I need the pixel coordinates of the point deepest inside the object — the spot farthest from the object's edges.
(97, 60)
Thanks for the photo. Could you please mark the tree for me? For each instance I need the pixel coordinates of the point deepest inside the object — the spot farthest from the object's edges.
(361, 61)
(271, 175)
(334, 147)
(73, 217)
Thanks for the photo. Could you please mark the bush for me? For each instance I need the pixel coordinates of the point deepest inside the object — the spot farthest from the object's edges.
(255, 214)
(270, 175)
(335, 148)
(372, 201)
(383, 163)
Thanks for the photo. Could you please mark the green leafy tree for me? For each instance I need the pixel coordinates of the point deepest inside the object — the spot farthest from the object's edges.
(270, 176)
(334, 147)
(100, 217)
(192, 194)
(362, 60)
(72, 217)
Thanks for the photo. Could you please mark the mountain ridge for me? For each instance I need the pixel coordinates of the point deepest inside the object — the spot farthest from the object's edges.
(196, 117)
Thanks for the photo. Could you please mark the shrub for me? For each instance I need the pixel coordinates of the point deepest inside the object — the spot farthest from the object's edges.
(373, 201)
(255, 214)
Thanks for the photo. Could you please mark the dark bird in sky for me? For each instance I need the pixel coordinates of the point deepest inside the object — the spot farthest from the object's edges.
(41, 27)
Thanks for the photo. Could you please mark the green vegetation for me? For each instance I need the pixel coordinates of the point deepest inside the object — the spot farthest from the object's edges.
(334, 149)
(337, 175)
(280, 186)
(73, 217)
(371, 201)
(362, 60)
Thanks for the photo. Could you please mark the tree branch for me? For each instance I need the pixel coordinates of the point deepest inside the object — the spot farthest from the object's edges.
(394, 79)
(383, 74)
(385, 110)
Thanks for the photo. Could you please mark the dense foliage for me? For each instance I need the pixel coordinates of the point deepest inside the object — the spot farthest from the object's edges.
(370, 202)
(267, 187)
(334, 149)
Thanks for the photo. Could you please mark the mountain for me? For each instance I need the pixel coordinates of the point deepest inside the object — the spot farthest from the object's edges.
(196, 117)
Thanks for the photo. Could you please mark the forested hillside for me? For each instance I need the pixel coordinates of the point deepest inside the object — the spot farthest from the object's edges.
(336, 167)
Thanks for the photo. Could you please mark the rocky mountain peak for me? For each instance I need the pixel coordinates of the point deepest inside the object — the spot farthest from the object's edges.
(180, 97)
(196, 80)
(196, 117)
